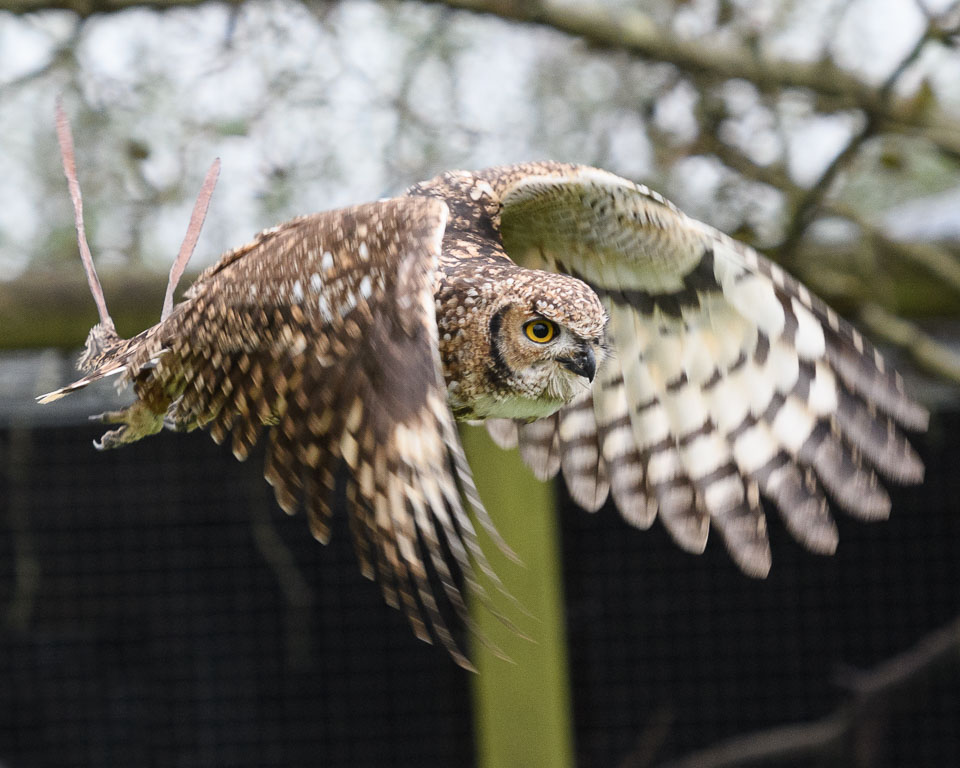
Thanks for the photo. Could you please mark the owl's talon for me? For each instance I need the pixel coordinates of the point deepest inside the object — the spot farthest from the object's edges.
(109, 417)
(138, 421)
(112, 439)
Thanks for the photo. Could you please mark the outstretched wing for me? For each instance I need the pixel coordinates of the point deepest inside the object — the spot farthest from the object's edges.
(728, 380)
(324, 331)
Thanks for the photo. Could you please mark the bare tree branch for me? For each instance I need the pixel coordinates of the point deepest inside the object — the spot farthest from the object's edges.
(875, 694)
(810, 202)
(295, 588)
(634, 31)
(929, 354)
(936, 260)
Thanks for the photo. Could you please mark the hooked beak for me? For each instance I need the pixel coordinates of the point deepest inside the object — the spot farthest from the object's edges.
(583, 363)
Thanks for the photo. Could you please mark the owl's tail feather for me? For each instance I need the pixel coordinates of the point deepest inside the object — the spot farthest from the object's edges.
(102, 373)
(141, 418)
(106, 355)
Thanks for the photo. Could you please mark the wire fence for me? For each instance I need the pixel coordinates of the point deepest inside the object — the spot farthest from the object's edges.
(157, 609)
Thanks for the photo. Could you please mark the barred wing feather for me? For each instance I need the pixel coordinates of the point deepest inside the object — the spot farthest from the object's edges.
(729, 382)
(322, 333)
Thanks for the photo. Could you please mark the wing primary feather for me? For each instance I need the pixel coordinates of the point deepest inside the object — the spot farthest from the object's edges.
(399, 536)
(427, 599)
(364, 540)
(461, 539)
(736, 513)
(427, 527)
(468, 535)
(800, 502)
(281, 471)
(854, 487)
(316, 498)
(463, 477)
(878, 439)
(320, 478)
(858, 363)
(650, 368)
(688, 525)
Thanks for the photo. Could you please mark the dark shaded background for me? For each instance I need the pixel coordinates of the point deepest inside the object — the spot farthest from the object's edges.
(156, 632)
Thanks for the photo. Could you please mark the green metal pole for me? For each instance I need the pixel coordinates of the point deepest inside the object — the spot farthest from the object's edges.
(522, 706)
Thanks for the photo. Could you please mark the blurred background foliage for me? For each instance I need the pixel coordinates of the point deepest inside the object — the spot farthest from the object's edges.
(826, 131)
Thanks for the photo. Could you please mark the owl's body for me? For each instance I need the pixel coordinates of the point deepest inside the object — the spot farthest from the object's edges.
(649, 357)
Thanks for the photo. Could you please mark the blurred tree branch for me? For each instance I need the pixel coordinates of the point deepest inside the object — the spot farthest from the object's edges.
(808, 203)
(294, 586)
(634, 31)
(835, 88)
(925, 351)
(874, 695)
(937, 260)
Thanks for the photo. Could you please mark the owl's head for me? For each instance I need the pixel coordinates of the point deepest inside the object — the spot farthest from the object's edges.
(547, 339)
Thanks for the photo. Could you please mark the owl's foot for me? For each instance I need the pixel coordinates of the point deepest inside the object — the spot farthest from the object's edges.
(138, 421)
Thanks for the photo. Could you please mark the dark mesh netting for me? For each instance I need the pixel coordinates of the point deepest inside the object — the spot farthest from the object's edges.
(166, 613)
(158, 609)
(677, 652)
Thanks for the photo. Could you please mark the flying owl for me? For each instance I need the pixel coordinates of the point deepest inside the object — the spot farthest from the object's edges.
(644, 355)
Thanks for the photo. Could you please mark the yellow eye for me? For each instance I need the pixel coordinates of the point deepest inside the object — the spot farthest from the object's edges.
(540, 331)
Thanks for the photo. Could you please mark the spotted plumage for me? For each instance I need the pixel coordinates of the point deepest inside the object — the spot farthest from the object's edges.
(646, 356)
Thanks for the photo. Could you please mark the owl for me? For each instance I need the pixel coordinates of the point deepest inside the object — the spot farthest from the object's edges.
(644, 355)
